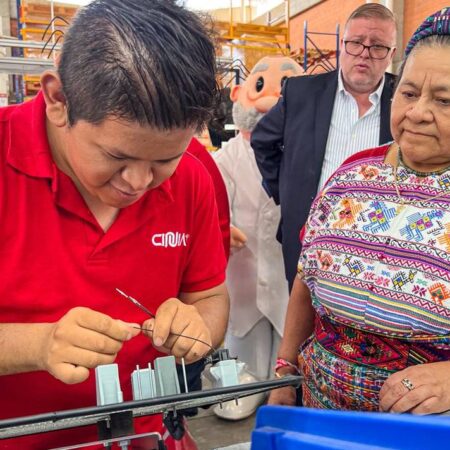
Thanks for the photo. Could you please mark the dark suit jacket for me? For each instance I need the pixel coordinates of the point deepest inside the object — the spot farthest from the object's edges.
(289, 144)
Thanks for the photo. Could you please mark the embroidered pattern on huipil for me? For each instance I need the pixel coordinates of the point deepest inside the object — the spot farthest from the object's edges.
(379, 276)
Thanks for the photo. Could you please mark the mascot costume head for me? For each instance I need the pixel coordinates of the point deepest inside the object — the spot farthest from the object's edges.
(261, 90)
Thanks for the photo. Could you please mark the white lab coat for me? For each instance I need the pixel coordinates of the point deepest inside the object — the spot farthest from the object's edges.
(255, 276)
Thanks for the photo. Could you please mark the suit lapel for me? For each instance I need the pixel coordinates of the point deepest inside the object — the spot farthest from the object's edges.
(385, 109)
(324, 111)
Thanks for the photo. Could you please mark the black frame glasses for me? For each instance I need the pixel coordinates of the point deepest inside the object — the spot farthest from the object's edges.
(376, 51)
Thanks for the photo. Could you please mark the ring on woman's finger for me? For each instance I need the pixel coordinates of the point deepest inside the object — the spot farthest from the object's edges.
(407, 383)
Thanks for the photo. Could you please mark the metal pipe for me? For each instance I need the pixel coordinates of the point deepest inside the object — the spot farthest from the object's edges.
(20, 66)
(287, 13)
(41, 423)
(305, 45)
(17, 43)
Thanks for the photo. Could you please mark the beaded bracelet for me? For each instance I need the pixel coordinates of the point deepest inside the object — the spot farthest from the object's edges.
(284, 363)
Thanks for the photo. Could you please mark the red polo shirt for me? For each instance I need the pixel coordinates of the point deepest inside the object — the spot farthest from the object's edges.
(55, 256)
(197, 149)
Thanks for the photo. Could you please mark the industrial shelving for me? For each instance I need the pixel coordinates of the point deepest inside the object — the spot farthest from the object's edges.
(41, 27)
(247, 41)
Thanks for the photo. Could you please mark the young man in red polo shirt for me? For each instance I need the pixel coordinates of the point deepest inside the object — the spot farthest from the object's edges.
(97, 193)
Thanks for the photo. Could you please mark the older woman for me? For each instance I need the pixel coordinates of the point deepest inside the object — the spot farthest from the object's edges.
(370, 307)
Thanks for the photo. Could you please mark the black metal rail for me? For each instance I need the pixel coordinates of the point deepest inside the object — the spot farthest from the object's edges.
(60, 420)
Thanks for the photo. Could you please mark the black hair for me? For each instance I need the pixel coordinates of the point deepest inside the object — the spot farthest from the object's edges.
(145, 61)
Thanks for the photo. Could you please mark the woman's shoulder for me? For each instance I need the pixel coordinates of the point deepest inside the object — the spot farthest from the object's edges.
(376, 154)
(367, 157)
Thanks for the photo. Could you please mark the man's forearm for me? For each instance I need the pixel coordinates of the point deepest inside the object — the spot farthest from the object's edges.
(214, 307)
(215, 311)
(21, 347)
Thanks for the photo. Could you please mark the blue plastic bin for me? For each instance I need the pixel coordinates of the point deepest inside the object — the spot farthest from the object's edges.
(288, 428)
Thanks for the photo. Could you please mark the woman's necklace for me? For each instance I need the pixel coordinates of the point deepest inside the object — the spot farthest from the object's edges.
(404, 201)
(408, 169)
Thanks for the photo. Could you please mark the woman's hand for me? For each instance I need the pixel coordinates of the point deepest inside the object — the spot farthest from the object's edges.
(285, 396)
(420, 389)
(173, 318)
(81, 340)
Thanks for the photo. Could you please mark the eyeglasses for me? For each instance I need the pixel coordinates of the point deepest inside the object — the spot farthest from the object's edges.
(375, 51)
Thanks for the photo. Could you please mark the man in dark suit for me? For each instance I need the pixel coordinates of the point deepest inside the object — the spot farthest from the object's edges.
(323, 119)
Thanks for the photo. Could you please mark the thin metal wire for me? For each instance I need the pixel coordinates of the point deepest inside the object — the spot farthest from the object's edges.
(53, 34)
(138, 375)
(61, 34)
(136, 303)
(55, 44)
(183, 366)
(50, 24)
(180, 335)
(147, 311)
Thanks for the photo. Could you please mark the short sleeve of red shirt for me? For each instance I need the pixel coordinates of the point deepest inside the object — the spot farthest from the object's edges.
(206, 261)
(200, 152)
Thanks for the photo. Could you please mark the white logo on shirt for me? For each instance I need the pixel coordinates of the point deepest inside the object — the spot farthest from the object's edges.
(170, 239)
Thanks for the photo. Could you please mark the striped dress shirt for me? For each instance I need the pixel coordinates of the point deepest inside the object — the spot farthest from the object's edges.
(350, 133)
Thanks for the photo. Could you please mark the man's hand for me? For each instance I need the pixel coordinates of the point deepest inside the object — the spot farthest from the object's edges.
(428, 392)
(237, 238)
(81, 340)
(173, 318)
